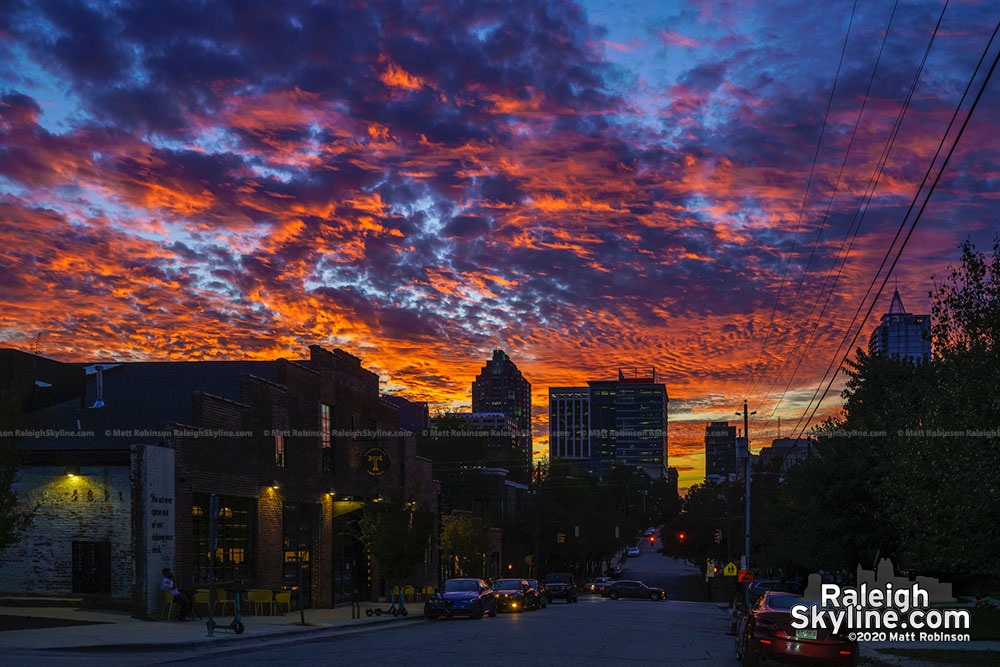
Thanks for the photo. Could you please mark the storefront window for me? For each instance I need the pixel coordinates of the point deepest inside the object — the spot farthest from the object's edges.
(235, 538)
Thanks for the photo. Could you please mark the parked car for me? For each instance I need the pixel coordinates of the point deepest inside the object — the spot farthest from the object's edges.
(766, 632)
(540, 589)
(633, 589)
(515, 595)
(560, 585)
(597, 585)
(633, 551)
(756, 590)
(461, 597)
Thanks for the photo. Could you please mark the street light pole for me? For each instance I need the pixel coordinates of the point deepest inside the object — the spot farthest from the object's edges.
(746, 475)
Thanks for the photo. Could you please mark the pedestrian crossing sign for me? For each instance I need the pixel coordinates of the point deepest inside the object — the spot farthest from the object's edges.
(729, 570)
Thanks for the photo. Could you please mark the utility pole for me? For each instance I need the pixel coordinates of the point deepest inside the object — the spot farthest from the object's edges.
(746, 475)
(534, 570)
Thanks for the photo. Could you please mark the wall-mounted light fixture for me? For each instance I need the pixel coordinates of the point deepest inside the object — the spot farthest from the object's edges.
(72, 471)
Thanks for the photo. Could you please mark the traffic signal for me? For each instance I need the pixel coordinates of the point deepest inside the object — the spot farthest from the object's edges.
(680, 536)
(650, 539)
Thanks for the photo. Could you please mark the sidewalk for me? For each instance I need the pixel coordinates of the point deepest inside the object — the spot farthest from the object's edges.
(119, 631)
(929, 654)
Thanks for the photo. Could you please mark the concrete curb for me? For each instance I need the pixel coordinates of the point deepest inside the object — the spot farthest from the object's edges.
(221, 639)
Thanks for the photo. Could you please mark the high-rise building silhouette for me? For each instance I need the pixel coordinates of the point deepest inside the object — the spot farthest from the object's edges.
(901, 334)
(611, 422)
(641, 419)
(501, 387)
(720, 451)
(569, 423)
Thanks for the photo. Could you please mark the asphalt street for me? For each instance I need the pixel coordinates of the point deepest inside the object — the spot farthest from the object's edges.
(594, 631)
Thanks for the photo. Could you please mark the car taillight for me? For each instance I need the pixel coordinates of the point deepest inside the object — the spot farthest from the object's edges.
(772, 624)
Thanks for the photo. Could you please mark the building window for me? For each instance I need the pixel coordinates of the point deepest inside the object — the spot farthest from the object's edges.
(298, 522)
(235, 538)
(324, 425)
(279, 451)
(326, 455)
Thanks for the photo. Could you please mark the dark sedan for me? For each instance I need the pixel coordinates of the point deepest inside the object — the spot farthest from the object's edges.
(515, 595)
(462, 597)
(540, 589)
(634, 590)
(756, 590)
(766, 632)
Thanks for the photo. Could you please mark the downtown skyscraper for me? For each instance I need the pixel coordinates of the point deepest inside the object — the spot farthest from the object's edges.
(612, 422)
(901, 334)
(500, 387)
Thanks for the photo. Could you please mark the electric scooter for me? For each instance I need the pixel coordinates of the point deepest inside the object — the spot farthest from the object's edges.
(235, 626)
(394, 610)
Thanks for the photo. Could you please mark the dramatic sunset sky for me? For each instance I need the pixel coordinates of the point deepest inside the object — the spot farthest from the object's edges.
(583, 185)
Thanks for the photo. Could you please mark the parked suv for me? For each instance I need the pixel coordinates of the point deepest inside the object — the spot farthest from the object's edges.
(560, 585)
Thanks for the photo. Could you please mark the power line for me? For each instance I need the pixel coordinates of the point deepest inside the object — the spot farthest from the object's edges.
(836, 187)
(920, 212)
(859, 216)
(805, 197)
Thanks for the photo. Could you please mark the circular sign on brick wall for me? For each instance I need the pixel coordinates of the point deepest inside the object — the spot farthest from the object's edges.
(375, 461)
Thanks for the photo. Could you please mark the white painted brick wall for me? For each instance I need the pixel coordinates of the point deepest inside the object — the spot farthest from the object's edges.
(94, 506)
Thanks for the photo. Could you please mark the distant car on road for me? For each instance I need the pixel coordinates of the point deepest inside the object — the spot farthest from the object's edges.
(597, 585)
(560, 585)
(614, 572)
(461, 597)
(540, 589)
(766, 632)
(650, 532)
(515, 595)
(633, 590)
(633, 551)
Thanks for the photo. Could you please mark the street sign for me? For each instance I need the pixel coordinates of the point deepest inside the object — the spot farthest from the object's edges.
(745, 577)
(729, 570)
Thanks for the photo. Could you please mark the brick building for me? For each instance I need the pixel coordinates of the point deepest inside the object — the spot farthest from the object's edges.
(292, 450)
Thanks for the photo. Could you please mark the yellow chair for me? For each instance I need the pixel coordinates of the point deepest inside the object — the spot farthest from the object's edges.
(428, 592)
(168, 606)
(261, 600)
(222, 598)
(201, 597)
(283, 599)
(409, 593)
